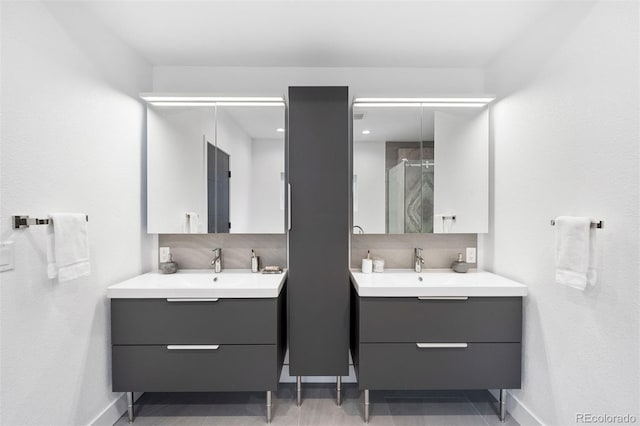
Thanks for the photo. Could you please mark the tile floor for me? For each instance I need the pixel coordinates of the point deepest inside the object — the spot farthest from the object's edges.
(391, 408)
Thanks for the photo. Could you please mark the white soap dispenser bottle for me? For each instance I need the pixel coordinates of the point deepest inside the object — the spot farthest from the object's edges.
(255, 264)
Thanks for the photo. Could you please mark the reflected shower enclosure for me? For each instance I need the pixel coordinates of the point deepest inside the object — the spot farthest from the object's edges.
(410, 197)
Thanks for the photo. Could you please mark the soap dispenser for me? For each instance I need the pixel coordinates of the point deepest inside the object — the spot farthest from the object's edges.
(460, 265)
(255, 262)
(169, 267)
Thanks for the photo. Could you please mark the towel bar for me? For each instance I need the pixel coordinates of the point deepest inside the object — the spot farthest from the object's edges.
(599, 224)
(24, 221)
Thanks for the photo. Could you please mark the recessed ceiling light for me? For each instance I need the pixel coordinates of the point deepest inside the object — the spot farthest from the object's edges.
(366, 132)
(280, 129)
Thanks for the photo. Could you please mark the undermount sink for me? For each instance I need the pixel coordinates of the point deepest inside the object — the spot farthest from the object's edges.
(429, 283)
(230, 283)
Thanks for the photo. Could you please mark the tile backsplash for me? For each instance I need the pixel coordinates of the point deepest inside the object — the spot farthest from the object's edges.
(193, 251)
(439, 250)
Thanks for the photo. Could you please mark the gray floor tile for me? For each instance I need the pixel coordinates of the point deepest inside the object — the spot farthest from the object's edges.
(445, 411)
(388, 408)
(487, 406)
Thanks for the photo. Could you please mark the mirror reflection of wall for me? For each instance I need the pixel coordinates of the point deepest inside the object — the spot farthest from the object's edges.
(416, 167)
(215, 169)
(176, 137)
(254, 139)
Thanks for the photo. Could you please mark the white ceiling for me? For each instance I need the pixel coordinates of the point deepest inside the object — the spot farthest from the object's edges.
(320, 33)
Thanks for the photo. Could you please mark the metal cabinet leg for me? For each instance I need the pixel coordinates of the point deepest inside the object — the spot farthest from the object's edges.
(366, 405)
(503, 405)
(298, 390)
(339, 390)
(130, 406)
(269, 405)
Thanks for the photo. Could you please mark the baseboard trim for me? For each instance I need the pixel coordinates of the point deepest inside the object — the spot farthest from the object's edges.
(114, 410)
(520, 412)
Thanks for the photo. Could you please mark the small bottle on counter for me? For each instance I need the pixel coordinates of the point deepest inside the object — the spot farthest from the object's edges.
(460, 265)
(255, 262)
(378, 265)
(367, 264)
(169, 267)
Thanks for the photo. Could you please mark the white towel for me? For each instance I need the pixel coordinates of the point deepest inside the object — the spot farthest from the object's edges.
(575, 252)
(68, 246)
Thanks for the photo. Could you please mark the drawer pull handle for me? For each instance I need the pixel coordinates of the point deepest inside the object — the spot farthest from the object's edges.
(441, 345)
(193, 347)
(443, 297)
(192, 300)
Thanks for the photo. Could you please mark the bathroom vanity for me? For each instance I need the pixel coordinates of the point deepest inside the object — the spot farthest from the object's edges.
(436, 330)
(196, 331)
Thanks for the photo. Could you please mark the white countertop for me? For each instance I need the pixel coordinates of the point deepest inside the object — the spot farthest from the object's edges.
(195, 283)
(435, 283)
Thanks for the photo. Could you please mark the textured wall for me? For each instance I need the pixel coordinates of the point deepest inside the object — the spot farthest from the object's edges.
(194, 251)
(72, 140)
(439, 251)
(565, 142)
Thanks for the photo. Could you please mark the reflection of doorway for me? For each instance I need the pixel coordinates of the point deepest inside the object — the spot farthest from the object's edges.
(218, 176)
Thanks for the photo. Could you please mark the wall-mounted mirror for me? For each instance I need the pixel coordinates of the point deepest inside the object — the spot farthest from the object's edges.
(215, 168)
(420, 168)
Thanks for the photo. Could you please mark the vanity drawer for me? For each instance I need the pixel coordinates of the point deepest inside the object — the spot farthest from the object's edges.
(225, 321)
(406, 366)
(227, 368)
(475, 319)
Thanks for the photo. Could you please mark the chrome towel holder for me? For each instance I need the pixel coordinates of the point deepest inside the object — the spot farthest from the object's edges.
(24, 221)
(598, 224)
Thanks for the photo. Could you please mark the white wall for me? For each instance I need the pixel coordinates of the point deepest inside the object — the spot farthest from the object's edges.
(233, 140)
(72, 140)
(565, 142)
(276, 80)
(177, 167)
(369, 167)
(266, 212)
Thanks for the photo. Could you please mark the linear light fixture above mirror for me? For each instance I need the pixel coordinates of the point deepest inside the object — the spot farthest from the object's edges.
(449, 101)
(167, 99)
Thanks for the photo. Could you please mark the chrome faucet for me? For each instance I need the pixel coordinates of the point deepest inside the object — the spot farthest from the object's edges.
(417, 259)
(216, 263)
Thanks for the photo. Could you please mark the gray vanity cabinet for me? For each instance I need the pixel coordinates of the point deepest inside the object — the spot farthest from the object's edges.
(318, 276)
(198, 345)
(402, 343)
